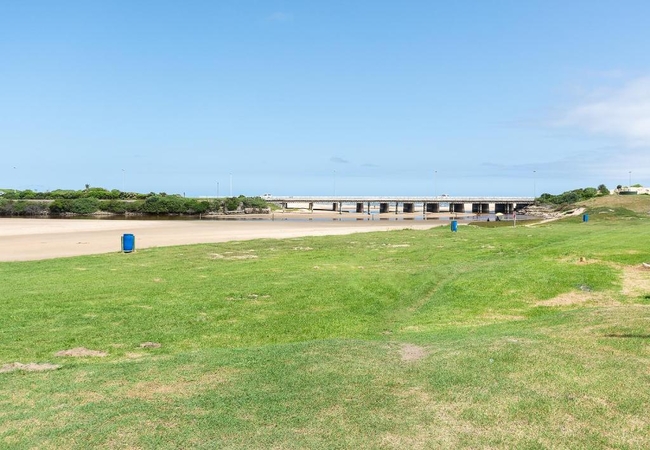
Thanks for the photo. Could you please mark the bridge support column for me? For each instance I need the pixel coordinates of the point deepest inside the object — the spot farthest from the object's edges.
(335, 206)
(396, 207)
(383, 208)
(368, 208)
(311, 207)
(360, 207)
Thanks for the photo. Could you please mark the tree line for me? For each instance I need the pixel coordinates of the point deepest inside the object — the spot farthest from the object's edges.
(94, 200)
(574, 196)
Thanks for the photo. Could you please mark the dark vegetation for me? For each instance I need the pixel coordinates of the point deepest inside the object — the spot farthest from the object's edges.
(92, 200)
(574, 196)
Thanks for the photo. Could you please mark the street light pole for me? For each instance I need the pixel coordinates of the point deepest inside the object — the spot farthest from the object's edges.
(534, 185)
(123, 178)
(630, 180)
(231, 184)
(435, 173)
(335, 183)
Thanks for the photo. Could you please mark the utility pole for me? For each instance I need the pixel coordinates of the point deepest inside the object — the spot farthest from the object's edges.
(435, 173)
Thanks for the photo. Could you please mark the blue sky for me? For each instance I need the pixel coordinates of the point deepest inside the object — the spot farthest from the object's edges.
(315, 98)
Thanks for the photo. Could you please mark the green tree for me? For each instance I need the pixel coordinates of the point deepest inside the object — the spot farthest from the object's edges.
(60, 206)
(86, 205)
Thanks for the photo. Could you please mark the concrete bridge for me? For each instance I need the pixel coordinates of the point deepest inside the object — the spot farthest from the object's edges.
(433, 204)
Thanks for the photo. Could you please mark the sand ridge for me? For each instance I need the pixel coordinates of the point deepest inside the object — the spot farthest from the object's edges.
(33, 239)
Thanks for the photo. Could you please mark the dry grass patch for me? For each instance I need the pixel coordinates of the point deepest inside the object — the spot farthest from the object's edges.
(492, 317)
(578, 298)
(232, 256)
(636, 281)
(150, 345)
(81, 352)
(29, 367)
(181, 388)
(410, 352)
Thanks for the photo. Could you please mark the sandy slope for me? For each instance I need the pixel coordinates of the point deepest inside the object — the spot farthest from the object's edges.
(32, 239)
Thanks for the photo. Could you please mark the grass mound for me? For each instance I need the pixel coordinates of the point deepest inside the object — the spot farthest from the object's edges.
(526, 337)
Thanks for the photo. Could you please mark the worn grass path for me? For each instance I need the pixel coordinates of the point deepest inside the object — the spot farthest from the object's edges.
(527, 337)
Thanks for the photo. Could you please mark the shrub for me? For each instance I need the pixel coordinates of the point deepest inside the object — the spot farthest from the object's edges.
(232, 203)
(35, 208)
(86, 205)
(113, 206)
(154, 205)
(135, 206)
(569, 197)
(60, 206)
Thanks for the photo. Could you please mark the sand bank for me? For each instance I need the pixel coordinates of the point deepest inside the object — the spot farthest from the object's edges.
(33, 239)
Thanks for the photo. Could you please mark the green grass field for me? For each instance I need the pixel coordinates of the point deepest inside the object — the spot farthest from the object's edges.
(526, 337)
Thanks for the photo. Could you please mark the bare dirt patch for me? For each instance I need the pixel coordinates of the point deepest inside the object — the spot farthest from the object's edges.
(410, 352)
(150, 345)
(579, 297)
(29, 367)
(81, 352)
(580, 260)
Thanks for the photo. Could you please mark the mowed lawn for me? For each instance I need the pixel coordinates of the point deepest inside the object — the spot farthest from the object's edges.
(526, 337)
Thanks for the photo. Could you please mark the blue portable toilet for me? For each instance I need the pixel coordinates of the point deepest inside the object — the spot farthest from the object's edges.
(454, 225)
(585, 217)
(128, 243)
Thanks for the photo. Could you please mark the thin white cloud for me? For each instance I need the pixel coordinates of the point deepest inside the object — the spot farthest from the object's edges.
(622, 112)
(337, 160)
(280, 17)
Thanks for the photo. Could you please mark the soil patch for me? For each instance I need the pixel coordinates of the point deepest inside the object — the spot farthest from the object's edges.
(577, 298)
(81, 352)
(29, 367)
(150, 345)
(410, 352)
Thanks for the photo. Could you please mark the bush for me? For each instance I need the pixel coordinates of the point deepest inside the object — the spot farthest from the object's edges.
(113, 206)
(35, 208)
(60, 206)
(87, 205)
(254, 202)
(569, 197)
(232, 203)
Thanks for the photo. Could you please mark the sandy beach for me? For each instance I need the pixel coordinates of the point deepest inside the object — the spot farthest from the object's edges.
(33, 239)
